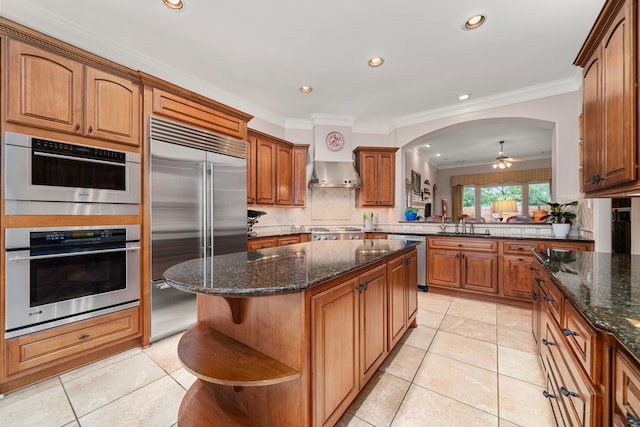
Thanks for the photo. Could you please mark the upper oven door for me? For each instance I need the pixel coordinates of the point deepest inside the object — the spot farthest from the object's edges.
(54, 171)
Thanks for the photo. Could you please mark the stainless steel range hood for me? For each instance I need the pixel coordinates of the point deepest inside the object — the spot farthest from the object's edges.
(334, 175)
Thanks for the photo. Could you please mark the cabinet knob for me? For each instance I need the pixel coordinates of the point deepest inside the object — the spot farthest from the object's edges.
(83, 337)
(534, 295)
(566, 392)
(548, 395)
(77, 126)
(90, 129)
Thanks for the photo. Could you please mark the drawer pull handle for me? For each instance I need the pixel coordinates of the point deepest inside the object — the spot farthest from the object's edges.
(83, 337)
(632, 420)
(568, 332)
(567, 393)
(534, 295)
(545, 342)
(548, 395)
(549, 299)
(533, 269)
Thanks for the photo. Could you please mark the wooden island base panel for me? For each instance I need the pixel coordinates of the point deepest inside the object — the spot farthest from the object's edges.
(288, 336)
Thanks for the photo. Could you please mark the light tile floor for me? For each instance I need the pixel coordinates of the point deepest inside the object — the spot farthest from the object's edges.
(468, 363)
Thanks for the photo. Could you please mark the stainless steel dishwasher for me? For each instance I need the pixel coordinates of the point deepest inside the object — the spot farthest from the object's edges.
(422, 256)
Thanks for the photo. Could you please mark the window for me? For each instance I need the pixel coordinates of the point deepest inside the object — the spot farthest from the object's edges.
(479, 200)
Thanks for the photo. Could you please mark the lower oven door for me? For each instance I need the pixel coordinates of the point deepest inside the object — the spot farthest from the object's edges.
(53, 289)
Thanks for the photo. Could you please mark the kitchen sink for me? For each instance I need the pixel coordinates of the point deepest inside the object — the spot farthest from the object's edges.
(453, 233)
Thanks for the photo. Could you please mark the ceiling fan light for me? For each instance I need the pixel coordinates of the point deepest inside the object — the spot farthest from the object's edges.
(495, 166)
(173, 4)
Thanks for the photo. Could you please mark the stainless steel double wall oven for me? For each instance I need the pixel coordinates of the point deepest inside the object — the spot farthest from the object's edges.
(58, 275)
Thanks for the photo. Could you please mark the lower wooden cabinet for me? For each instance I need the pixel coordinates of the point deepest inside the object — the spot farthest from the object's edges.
(351, 332)
(468, 264)
(626, 405)
(44, 349)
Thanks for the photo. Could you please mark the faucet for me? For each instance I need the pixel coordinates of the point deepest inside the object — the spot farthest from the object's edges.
(464, 226)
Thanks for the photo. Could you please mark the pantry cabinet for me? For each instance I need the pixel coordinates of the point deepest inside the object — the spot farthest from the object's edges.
(377, 169)
(608, 58)
(51, 91)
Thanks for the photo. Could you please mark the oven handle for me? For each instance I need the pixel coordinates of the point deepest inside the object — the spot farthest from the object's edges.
(59, 255)
(84, 159)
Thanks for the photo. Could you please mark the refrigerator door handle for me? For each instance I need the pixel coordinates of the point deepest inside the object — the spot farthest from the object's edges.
(203, 225)
(211, 201)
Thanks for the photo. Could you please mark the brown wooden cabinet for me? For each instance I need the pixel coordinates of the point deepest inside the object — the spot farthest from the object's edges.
(608, 58)
(273, 241)
(515, 269)
(467, 264)
(626, 405)
(39, 351)
(276, 173)
(403, 300)
(300, 175)
(373, 321)
(54, 92)
(377, 169)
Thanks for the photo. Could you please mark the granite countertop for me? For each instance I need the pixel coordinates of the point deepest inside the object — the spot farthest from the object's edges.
(605, 288)
(281, 269)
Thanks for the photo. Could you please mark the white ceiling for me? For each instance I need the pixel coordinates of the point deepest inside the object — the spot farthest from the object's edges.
(254, 54)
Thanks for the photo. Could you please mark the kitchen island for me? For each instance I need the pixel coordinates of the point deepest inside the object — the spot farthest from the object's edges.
(290, 335)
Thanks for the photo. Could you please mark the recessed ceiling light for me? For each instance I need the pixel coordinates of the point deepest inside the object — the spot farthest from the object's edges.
(173, 4)
(437, 154)
(428, 145)
(474, 22)
(305, 89)
(376, 61)
(463, 97)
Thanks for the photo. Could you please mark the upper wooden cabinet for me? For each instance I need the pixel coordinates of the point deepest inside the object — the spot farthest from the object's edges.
(608, 59)
(54, 92)
(276, 171)
(377, 169)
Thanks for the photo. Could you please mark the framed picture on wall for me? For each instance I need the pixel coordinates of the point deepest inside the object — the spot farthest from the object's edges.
(416, 181)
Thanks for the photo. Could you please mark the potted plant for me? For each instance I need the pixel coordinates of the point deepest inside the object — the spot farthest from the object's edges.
(411, 214)
(560, 217)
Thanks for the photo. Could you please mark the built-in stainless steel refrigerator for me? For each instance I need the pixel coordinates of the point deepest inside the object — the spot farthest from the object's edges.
(198, 205)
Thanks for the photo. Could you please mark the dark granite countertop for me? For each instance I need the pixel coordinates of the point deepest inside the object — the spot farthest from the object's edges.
(605, 288)
(281, 269)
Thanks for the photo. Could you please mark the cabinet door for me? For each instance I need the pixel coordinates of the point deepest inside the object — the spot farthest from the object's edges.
(299, 176)
(284, 177)
(335, 350)
(397, 273)
(412, 284)
(618, 95)
(112, 107)
(591, 112)
(261, 243)
(265, 172)
(626, 387)
(516, 277)
(386, 179)
(536, 307)
(480, 271)
(251, 169)
(444, 268)
(373, 321)
(45, 89)
(289, 240)
(368, 165)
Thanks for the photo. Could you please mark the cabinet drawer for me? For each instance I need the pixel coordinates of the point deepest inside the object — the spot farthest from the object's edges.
(626, 387)
(185, 110)
(254, 244)
(578, 400)
(289, 240)
(518, 247)
(473, 244)
(552, 300)
(46, 347)
(569, 246)
(584, 340)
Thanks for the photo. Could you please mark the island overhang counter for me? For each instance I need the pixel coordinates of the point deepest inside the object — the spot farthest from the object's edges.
(290, 335)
